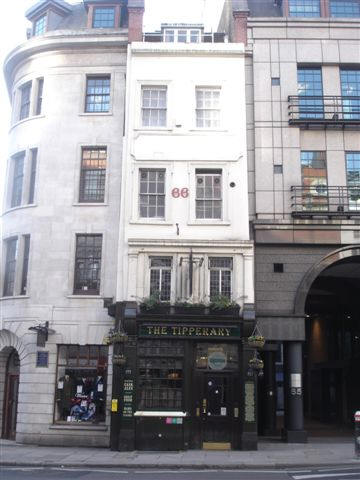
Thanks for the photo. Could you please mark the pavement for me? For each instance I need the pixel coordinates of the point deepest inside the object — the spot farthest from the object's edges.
(270, 454)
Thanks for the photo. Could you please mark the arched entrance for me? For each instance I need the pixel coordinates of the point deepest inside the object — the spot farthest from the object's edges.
(330, 297)
(11, 390)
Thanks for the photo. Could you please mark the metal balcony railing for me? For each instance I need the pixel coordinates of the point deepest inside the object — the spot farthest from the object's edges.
(314, 111)
(321, 200)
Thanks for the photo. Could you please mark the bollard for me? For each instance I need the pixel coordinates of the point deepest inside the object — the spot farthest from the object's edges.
(357, 434)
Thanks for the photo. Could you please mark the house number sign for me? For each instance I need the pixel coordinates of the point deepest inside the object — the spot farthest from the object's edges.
(180, 192)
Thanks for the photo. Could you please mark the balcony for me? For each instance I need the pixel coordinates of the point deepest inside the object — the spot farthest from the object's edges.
(323, 201)
(313, 112)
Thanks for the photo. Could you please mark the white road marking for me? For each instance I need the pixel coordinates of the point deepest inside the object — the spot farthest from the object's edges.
(323, 475)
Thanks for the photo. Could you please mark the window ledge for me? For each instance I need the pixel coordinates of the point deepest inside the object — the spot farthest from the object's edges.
(18, 207)
(150, 222)
(209, 222)
(95, 114)
(221, 130)
(90, 204)
(96, 297)
(153, 129)
(23, 120)
(78, 426)
(14, 297)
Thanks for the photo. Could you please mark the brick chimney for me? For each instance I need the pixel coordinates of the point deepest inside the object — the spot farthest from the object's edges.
(136, 11)
(240, 26)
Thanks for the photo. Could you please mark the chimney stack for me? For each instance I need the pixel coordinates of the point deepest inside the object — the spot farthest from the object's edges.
(136, 10)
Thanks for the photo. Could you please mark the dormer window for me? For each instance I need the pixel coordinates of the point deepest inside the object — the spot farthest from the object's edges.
(182, 35)
(39, 26)
(103, 17)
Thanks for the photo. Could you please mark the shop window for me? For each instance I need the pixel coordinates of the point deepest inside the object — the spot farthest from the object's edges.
(81, 383)
(160, 277)
(207, 107)
(152, 193)
(88, 264)
(97, 94)
(160, 375)
(92, 175)
(217, 356)
(153, 106)
(220, 276)
(208, 194)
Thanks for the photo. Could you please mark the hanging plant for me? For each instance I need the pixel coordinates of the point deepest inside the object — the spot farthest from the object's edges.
(256, 363)
(256, 339)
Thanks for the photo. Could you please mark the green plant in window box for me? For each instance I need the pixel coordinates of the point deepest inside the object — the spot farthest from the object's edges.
(153, 304)
(189, 307)
(221, 304)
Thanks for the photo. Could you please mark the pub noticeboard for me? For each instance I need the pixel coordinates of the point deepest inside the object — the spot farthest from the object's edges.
(190, 331)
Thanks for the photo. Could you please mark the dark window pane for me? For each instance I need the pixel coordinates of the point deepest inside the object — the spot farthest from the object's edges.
(97, 94)
(93, 174)
(87, 264)
(10, 266)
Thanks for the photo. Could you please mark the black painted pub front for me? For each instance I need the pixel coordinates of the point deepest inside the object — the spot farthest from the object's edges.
(182, 381)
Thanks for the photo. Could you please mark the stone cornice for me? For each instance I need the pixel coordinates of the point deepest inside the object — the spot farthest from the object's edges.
(163, 48)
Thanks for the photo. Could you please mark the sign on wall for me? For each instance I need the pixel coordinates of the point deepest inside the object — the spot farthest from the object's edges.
(192, 331)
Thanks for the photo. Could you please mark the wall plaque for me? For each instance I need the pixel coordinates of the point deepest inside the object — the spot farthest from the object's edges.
(42, 359)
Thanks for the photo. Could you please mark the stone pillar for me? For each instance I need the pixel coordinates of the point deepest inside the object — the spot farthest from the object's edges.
(135, 24)
(324, 8)
(294, 411)
(240, 27)
(269, 392)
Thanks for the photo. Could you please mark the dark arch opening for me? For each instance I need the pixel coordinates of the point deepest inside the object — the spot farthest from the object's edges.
(332, 347)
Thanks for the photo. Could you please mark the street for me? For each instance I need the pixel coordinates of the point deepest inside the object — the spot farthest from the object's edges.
(58, 473)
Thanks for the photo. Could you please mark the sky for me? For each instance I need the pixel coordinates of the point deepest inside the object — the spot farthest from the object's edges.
(13, 33)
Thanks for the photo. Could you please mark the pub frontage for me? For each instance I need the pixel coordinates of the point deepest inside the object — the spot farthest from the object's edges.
(182, 380)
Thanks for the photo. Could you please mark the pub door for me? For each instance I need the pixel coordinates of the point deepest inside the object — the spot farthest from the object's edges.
(217, 410)
(11, 397)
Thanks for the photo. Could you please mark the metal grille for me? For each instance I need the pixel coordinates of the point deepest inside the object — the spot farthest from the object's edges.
(344, 8)
(88, 264)
(304, 8)
(160, 277)
(208, 195)
(10, 266)
(220, 276)
(25, 101)
(104, 17)
(97, 94)
(152, 193)
(208, 107)
(18, 175)
(160, 375)
(154, 106)
(40, 26)
(93, 174)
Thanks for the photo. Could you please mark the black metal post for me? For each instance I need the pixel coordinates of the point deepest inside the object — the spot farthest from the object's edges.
(357, 434)
(294, 410)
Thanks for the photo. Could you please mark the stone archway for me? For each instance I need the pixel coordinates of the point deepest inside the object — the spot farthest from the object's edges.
(12, 355)
(314, 272)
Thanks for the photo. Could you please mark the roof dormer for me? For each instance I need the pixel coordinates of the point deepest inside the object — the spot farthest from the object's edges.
(46, 15)
(106, 13)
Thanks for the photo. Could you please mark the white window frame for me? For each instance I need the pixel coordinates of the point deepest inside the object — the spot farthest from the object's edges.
(154, 87)
(161, 269)
(156, 169)
(221, 270)
(174, 32)
(215, 120)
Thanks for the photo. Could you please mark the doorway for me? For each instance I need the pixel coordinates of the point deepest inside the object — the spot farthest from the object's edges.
(11, 396)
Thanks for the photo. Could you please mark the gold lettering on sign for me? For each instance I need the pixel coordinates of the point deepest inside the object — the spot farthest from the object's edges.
(191, 330)
(150, 330)
(198, 331)
(227, 332)
(163, 330)
(213, 331)
(156, 330)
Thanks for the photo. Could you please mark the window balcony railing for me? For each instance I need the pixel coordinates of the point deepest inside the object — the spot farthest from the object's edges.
(320, 200)
(215, 37)
(315, 111)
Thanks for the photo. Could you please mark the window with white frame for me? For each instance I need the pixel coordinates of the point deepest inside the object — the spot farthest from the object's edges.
(153, 106)
(160, 277)
(207, 107)
(17, 179)
(152, 193)
(25, 91)
(208, 194)
(220, 276)
(183, 35)
(39, 26)
(40, 87)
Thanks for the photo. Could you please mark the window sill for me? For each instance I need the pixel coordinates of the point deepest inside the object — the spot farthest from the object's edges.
(78, 426)
(14, 297)
(95, 114)
(221, 130)
(18, 207)
(209, 222)
(84, 296)
(153, 129)
(90, 204)
(150, 222)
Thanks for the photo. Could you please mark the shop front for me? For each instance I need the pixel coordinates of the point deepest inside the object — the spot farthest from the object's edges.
(183, 382)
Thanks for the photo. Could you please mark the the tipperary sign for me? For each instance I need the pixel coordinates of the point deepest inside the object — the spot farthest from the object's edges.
(194, 331)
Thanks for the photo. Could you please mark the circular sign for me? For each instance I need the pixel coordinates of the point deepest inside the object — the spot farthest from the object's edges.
(217, 361)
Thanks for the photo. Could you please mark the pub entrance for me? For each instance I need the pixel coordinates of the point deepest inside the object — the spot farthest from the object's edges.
(217, 384)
